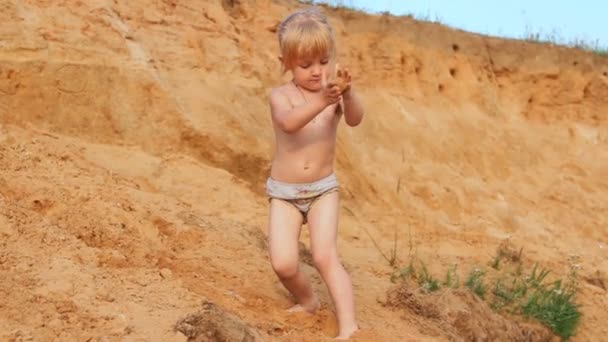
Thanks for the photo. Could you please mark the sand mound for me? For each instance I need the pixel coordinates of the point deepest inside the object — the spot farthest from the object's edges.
(462, 316)
(212, 324)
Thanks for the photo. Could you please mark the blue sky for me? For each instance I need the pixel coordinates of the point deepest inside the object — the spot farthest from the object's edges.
(565, 20)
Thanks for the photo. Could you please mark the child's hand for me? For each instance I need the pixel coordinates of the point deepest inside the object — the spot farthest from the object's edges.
(342, 79)
(330, 92)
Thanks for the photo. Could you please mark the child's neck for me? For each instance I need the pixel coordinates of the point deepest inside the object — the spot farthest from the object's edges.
(303, 90)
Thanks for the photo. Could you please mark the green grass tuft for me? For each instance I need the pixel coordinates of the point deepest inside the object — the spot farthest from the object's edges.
(554, 307)
(513, 291)
(426, 280)
(452, 280)
(475, 282)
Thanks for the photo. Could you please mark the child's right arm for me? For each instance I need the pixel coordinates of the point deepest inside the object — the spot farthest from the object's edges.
(293, 119)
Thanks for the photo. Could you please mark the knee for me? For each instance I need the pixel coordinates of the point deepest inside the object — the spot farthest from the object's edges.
(285, 268)
(325, 259)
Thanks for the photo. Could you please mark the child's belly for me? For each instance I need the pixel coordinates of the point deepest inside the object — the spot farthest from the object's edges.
(305, 164)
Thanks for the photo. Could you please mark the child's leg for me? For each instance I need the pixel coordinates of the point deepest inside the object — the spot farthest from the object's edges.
(323, 223)
(285, 224)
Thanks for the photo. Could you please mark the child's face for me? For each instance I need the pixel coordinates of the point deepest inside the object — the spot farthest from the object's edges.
(308, 72)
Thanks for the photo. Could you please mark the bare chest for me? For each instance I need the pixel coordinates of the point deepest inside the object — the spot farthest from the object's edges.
(326, 121)
(327, 118)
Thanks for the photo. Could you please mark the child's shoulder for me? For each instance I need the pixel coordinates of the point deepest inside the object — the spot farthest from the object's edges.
(281, 89)
(280, 92)
(279, 96)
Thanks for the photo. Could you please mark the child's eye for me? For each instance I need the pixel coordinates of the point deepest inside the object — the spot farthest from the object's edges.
(325, 61)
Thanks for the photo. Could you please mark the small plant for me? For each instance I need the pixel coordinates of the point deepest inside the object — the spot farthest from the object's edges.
(333, 3)
(475, 282)
(555, 38)
(535, 280)
(426, 281)
(394, 251)
(530, 296)
(507, 294)
(520, 269)
(392, 258)
(404, 273)
(554, 307)
(496, 262)
(452, 280)
(424, 278)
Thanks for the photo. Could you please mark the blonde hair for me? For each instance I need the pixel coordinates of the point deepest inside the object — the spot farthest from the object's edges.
(305, 34)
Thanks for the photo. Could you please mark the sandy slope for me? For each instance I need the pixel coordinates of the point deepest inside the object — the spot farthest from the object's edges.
(135, 142)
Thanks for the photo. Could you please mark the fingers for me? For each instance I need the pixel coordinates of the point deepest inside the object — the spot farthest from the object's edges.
(347, 80)
(334, 91)
(335, 94)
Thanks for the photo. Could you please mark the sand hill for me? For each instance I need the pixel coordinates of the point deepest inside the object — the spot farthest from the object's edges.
(135, 141)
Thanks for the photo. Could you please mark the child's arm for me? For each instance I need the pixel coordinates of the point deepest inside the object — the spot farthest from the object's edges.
(351, 105)
(353, 109)
(291, 119)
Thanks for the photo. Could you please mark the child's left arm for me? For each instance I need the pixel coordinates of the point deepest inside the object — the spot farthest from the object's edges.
(353, 109)
(352, 106)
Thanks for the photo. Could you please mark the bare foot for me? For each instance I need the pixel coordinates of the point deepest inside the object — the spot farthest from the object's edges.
(311, 307)
(347, 333)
